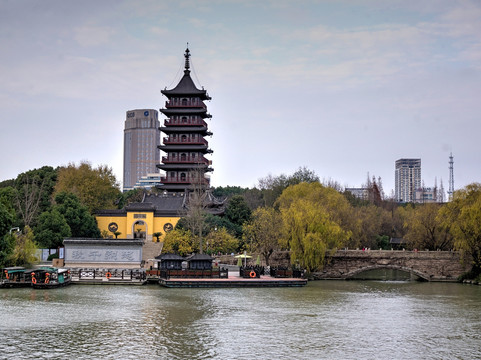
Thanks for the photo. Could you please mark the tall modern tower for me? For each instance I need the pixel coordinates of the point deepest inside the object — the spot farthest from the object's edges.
(407, 179)
(185, 145)
(451, 177)
(141, 141)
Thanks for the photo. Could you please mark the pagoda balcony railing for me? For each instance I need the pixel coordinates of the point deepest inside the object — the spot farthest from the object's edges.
(201, 141)
(179, 180)
(186, 104)
(188, 160)
(183, 122)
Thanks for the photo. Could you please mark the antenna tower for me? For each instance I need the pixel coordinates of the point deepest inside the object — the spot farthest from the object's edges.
(451, 177)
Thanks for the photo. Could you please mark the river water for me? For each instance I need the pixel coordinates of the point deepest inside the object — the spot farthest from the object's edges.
(324, 320)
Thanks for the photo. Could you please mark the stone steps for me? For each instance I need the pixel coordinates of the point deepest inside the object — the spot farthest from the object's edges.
(150, 250)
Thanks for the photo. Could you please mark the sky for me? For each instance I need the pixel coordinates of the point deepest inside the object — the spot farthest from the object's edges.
(344, 88)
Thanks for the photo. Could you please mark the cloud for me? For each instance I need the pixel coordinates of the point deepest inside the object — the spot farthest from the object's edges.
(88, 36)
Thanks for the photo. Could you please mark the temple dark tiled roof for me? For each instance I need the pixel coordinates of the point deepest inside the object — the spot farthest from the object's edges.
(170, 257)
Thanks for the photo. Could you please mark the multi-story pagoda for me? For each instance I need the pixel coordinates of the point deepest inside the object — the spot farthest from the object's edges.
(185, 145)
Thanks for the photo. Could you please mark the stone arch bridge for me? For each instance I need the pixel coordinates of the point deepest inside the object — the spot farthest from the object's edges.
(428, 265)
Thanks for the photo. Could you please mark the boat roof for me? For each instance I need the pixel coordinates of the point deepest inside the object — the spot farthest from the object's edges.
(14, 268)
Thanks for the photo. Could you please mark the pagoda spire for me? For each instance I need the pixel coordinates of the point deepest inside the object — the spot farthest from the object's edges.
(187, 64)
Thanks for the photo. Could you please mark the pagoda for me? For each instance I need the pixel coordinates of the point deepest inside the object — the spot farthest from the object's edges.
(185, 145)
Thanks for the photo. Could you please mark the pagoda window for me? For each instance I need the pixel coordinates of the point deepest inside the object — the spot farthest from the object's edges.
(184, 119)
(184, 102)
(182, 176)
(184, 138)
(172, 174)
(183, 157)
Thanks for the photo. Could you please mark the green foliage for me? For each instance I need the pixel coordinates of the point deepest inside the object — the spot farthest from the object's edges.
(220, 241)
(52, 228)
(7, 183)
(77, 216)
(264, 231)
(463, 217)
(131, 196)
(33, 190)
(313, 216)
(25, 248)
(228, 191)
(179, 241)
(424, 228)
(7, 218)
(382, 242)
(97, 188)
(7, 246)
(52, 256)
(237, 211)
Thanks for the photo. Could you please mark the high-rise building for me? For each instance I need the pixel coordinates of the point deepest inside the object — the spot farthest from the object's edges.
(407, 179)
(141, 141)
(185, 145)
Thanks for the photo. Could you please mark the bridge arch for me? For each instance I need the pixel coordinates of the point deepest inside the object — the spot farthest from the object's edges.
(357, 271)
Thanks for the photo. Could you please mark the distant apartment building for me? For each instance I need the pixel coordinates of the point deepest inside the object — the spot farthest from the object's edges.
(426, 195)
(141, 141)
(360, 193)
(148, 181)
(407, 179)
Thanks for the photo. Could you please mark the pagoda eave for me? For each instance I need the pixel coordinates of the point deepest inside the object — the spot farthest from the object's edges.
(185, 111)
(185, 147)
(185, 129)
(168, 167)
(202, 94)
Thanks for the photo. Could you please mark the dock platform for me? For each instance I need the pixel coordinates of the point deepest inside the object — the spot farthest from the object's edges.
(232, 281)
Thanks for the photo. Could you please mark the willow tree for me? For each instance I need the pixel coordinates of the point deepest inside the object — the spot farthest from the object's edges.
(463, 216)
(314, 223)
(424, 227)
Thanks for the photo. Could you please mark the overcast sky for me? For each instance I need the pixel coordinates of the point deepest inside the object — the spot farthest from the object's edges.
(344, 88)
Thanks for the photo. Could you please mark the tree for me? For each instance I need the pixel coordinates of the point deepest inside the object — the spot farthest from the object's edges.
(265, 231)
(25, 248)
(272, 187)
(7, 246)
(228, 191)
(313, 216)
(7, 218)
(77, 216)
(131, 196)
(33, 191)
(463, 217)
(424, 228)
(97, 188)
(52, 228)
(180, 242)
(157, 235)
(220, 241)
(237, 212)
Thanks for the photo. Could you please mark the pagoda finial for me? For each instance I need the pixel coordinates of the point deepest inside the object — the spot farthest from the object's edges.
(187, 56)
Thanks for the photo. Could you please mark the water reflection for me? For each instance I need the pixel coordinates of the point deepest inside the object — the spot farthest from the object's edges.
(326, 319)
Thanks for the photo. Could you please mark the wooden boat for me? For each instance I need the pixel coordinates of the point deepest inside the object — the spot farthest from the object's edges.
(47, 277)
(14, 276)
